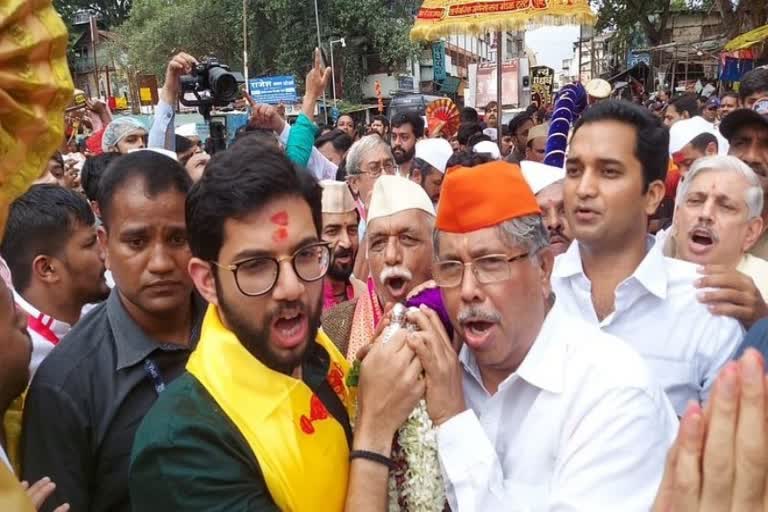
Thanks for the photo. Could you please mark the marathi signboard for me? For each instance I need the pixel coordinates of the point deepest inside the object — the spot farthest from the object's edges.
(486, 84)
(438, 61)
(438, 18)
(273, 89)
(542, 83)
(635, 58)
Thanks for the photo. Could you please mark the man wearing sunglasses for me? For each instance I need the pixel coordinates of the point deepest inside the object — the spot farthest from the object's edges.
(260, 420)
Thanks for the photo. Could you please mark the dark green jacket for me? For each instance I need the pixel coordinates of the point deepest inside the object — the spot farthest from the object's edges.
(187, 455)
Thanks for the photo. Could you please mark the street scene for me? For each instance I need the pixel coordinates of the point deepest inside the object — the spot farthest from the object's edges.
(383, 255)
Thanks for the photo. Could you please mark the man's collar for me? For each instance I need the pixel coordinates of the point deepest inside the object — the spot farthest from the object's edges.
(569, 263)
(651, 273)
(57, 327)
(132, 344)
(543, 366)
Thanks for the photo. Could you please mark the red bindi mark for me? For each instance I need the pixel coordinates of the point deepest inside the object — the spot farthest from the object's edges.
(280, 218)
(279, 235)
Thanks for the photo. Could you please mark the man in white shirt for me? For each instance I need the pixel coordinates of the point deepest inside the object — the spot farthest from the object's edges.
(717, 220)
(539, 410)
(51, 249)
(613, 275)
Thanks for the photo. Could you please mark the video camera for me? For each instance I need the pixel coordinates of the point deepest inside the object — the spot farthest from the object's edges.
(212, 84)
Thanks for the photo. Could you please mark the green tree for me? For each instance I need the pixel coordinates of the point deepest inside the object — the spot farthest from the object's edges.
(652, 16)
(113, 12)
(282, 34)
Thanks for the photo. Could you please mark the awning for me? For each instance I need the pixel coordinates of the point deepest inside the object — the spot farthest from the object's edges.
(639, 71)
(746, 40)
(438, 18)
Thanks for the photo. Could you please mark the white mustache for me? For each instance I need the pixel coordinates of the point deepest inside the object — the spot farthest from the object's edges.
(478, 315)
(395, 272)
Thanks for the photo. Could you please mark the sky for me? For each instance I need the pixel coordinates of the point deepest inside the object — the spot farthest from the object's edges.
(552, 44)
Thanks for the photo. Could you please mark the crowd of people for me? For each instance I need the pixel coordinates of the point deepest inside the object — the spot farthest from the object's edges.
(220, 333)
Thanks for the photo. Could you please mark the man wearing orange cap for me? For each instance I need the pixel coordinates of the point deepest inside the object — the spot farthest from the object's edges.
(538, 410)
(614, 275)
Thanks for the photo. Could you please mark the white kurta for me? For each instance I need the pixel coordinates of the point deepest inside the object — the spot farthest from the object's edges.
(580, 426)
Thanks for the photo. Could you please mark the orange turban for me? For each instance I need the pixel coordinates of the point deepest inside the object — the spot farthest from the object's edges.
(474, 198)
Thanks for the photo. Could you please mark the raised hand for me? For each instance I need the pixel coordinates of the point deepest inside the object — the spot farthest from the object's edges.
(181, 64)
(719, 461)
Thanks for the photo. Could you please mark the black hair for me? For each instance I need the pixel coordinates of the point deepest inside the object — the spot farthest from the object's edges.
(518, 121)
(41, 221)
(354, 123)
(159, 174)
(340, 140)
(238, 182)
(491, 104)
(341, 171)
(652, 137)
(58, 157)
(93, 169)
(476, 138)
(469, 115)
(466, 131)
(753, 82)
(467, 159)
(412, 118)
(183, 144)
(702, 140)
(686, 103)
(383, 120)
(505, 131)
(730, 94)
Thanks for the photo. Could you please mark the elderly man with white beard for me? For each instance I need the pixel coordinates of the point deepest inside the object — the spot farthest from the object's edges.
(398, 247)
(717, 221)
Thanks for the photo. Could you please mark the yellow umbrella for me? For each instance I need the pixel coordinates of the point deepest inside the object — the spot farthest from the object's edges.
(748, 39)
(438, 18)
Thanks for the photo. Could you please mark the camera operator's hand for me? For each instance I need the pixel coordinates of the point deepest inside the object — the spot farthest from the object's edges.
(264, 116)
(317, 81)
(180, 64)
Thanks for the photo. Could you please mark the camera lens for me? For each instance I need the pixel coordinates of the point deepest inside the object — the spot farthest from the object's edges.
(223, 84)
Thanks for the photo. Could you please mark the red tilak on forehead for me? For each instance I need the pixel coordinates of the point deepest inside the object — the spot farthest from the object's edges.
(281, 219)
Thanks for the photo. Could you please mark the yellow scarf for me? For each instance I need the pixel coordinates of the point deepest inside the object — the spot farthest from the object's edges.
(301, 449)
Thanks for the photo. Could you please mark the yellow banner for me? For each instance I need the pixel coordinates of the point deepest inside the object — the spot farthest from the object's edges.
(438, 18)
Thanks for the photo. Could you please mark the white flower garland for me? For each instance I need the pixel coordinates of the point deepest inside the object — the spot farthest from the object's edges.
(423, 489)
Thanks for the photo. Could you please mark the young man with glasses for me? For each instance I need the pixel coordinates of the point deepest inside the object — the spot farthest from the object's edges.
(538, 410)
(260, 420)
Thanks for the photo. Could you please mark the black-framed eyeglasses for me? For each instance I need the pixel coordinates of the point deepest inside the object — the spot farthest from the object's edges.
(257, 276)
(493, 268)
